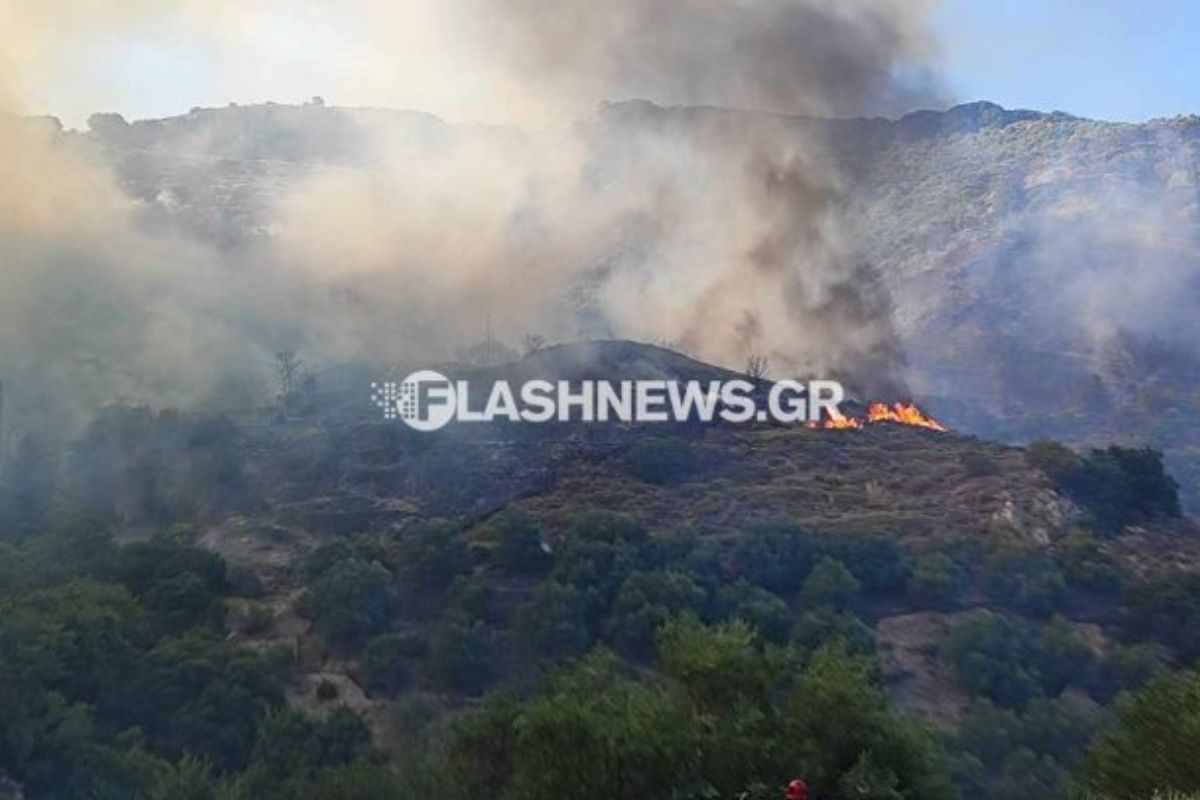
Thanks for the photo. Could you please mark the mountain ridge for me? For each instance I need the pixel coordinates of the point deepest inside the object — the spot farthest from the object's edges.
(1013, 243)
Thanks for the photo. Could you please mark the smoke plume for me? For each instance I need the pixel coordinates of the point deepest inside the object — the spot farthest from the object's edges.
(724, 235)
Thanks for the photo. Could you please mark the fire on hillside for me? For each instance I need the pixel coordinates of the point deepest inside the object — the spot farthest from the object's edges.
(899, 413)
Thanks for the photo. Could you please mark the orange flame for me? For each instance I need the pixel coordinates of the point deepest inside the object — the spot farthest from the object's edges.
(903, 413)
(845, 423)
(898, 413)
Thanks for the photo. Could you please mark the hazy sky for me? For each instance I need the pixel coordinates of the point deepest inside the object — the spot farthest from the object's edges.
(1110, 59)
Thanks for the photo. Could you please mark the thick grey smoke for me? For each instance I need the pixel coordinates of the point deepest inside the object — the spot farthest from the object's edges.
(812, 57)
(724, 235)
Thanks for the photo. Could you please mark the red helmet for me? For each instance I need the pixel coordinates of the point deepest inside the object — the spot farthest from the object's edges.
(797, 790)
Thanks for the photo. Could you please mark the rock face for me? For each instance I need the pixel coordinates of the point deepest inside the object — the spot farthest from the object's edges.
(1045, 272)
(1044, 269)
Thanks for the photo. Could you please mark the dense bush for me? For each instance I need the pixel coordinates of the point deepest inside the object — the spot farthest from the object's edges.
(937, 581)
(432, 555)
(599, 552)
(645, 602)
(1154, 744)
(99, 698)
(816, 629)
(830, 585)
(779, 556)
(350, 600)
(554, 624)
(1008, 662)
(519, 544)
(1124, 668)
(1025, 580)
(471, 599)
(767, 613)
(725, 716)
(1086, 567)
(1055, 729)
(181, 585)
(1168, 610)
(384, 662)
(1117, 486)
(461, 657)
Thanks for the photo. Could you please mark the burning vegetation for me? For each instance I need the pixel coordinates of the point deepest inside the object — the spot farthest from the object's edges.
(899, 413)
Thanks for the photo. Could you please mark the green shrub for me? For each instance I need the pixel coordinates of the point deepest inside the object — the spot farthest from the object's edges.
(1025, 580)
(384, 663)
(461, 657)
(1154, 743)
(519, 545)
(350, 601)
(831, 585)
(1117, 486)
(992, 656)
(554, 624)
(645, 601)
(432, 555)
(764, 611)
(937, 581)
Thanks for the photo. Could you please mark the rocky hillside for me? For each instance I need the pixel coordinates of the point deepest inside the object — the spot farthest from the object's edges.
(1002, 596)
(1043, 268)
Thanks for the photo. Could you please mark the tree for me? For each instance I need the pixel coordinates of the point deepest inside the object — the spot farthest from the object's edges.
(461, 657)
(824, 627)
(1062, 658)
(843, 734)
(719, 667)
(764, 611)
(189, 779)
(519, 546)
(28, 487)
(596, 735)
(756, 367)
(554, 624)
(1024, 579)
(1154, 743)
(776, 557)
(287, 369)
(1053, 458)
(532, 343)
(645, 601)
(830, 584)
(384, 664)
(937, 581)
(1124, 668)
(362, 780)
(1118, 486)
(293, 749)
(350, 601)
(992, 656)
(432, 555)
(481, 748)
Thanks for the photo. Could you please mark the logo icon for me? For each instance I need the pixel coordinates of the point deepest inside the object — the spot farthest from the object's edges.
(425, 400)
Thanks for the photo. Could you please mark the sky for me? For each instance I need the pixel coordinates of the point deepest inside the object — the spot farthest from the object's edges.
(1126, 60)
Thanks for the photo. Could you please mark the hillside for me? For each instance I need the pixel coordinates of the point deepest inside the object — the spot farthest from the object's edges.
(1013, 244)
(349, 564)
